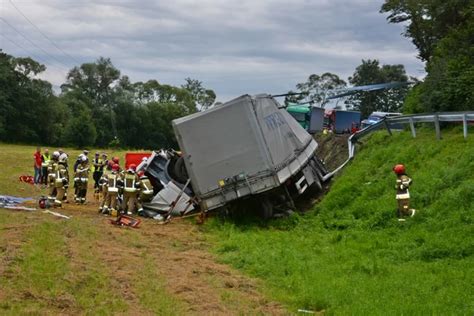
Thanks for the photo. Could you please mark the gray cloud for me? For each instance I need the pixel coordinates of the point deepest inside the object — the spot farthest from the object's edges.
(233, 47)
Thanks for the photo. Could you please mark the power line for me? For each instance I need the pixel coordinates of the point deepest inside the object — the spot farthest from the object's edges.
(44, 35)
(28, 51)
(32, 43)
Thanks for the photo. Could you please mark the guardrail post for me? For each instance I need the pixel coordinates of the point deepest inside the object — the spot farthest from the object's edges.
(464, 125)
(388, 127)
(438, 130)
(412, 127)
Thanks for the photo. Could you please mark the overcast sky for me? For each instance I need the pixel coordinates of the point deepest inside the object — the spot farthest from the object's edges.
(233, 47)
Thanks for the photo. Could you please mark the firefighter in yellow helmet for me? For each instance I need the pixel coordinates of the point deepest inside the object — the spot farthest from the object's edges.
(81, 179)
(403, 195)
(112, 188)
(131, 183)
(52, 169)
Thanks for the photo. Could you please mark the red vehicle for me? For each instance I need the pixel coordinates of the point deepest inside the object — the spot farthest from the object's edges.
(135, 158)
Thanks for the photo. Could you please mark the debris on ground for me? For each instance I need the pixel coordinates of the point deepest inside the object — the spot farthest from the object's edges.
(27, 179)
(11, 203)
(56, 214)
(125, 220)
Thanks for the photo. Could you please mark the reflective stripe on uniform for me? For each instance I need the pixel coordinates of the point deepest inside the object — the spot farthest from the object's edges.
(403, 196)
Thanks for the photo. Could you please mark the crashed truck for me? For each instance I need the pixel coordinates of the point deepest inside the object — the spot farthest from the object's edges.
(246, 148)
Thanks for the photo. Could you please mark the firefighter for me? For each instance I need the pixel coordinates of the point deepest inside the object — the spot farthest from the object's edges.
(103, 184)
(60, 181)
(45, 158)
(112, 188)
(81, 179)
(130, 189)
(64, 158)
(52, 168)
(98, 164)
(146, 191)
(403, 195)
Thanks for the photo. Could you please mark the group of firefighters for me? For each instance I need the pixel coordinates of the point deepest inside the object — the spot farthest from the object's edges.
(116, 189)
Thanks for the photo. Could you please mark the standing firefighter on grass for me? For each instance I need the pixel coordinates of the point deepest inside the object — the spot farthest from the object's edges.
(61, 181)
(98, 164)
(111, 189)
(403, 195)
(131, 184)
(81, 179)
(52, 172)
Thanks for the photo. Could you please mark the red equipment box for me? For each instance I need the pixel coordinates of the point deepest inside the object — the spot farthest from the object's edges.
(135, 158)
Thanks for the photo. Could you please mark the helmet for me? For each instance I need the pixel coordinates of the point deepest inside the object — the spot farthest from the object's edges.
(132, 166)
(116, 159)
(62, 158)
(115, 167)
(84, 158)
(56, 154)
(399, 169)
(85, 151)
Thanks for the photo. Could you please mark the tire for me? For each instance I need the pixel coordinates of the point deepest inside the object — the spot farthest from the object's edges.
(179, 170)
(266, 208)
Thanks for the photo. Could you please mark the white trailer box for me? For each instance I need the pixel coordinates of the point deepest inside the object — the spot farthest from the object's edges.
(245, 146)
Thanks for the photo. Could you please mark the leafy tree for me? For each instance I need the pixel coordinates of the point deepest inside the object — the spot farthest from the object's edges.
(81, 131)
(450, 80)
(93, 82)
(27, 103)
(315, 89)
(371, 72)
(203, 97)
(428, 21)
(443, 32)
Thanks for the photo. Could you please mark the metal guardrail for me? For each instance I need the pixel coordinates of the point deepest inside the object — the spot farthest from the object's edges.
(386, 123)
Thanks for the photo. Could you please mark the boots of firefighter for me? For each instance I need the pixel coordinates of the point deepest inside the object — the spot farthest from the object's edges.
(132, 203)
(51, 193)
(59, 197)
(83, 194)
(112, 197)
(65, 200)
(139, 207)
(126, 198)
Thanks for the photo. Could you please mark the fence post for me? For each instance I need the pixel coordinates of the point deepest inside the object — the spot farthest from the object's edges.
(412, 127)
(388, 127)
(464, 125)
(436, 122)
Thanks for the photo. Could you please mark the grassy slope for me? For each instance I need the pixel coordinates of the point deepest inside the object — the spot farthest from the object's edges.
(351, 255)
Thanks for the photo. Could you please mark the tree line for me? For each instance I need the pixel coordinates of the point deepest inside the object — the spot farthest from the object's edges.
(443, 33)
(97, 106)
(100, 107)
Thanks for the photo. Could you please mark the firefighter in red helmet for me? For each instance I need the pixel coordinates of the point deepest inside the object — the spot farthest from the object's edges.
(131, 185)
(403, 195)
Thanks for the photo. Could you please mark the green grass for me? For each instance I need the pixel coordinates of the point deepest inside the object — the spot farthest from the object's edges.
(350, 255)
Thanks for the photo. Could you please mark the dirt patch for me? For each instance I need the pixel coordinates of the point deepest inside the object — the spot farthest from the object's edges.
(332, 149)
(180, 254)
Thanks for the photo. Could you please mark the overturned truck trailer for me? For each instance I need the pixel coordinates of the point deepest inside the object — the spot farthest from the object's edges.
(245, 147)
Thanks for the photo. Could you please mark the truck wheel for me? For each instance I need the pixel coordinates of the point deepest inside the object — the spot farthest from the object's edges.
(267, 208)
(180, 170)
